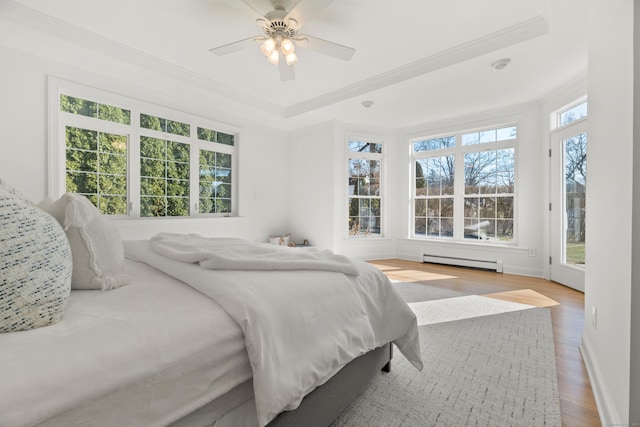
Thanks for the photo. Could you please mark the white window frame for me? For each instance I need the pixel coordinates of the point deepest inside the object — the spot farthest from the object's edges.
(57, 136)
(554, 116)
(366, 156)
(458, 152)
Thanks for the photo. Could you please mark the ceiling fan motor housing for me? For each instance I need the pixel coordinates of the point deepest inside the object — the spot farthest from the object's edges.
(276, 25)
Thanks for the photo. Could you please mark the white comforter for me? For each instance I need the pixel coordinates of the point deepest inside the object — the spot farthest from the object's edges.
(300, 327)
(239, 254)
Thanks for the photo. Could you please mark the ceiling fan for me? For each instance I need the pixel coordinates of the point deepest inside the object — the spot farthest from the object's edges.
(281, 28)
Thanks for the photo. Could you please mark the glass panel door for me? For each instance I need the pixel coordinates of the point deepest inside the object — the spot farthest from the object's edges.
(568, 212)
(575, 196)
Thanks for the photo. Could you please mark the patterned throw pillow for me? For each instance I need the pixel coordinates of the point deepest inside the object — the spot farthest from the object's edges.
(98, 254)
(35, 266)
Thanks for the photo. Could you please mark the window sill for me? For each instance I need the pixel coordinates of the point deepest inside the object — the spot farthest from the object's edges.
(366, 238)
(491, 247)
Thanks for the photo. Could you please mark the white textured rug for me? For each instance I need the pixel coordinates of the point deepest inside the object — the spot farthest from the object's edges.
(495, 369)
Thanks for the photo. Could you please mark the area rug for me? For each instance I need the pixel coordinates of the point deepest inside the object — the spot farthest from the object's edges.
(487, 367)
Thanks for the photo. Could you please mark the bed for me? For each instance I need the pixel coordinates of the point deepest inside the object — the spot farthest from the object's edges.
(175, 344)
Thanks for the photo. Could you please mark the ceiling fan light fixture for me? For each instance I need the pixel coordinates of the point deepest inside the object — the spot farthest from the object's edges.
(274, 58)
(267, 47)
(287, 46)
(291, 58)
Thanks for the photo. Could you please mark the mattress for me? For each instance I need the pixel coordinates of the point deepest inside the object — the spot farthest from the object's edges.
(145, 354)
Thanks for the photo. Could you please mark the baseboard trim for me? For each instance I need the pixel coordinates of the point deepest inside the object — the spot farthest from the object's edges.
(606, 407)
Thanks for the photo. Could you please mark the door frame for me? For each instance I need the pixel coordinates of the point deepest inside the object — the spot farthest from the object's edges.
(559, 271)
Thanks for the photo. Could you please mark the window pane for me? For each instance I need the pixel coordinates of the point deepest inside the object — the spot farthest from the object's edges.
(446, 207)
(487, 207)
(491, 135)
(153, 123)
(575, 172)
(211, 135)
(358, 168)
(433, 208)
(91, 169)
(504, 230)
(164, 125)
(471, 139)
(80, 160)
(507, 133)
(82, 107)
(177, 206)
(420, 208)
(488, 136)
(439, 174)
(226, 139)
(434, 144)
(164, 178)
(82, 183)
(178, 128)
(479, 172)
(572, 114)
(215, 182)
(153, 206)
(364, 147)
(81, 139)
(505, 160)
(207, 134)
(114, 114)
(374, 187)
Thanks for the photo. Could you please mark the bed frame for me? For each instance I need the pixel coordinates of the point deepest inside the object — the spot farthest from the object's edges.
(320, 407)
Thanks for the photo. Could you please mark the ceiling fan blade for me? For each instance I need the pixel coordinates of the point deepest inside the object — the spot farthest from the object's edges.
(235, 46)
(286, 71)
(305, 10)
(256, 9)
(325, 47)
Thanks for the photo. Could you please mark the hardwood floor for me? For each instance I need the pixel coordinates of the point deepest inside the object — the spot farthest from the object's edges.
(567, 312)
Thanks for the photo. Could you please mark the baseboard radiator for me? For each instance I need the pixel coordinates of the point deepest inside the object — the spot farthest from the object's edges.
(494, 265)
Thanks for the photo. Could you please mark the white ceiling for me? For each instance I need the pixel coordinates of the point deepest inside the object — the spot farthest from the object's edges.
(418, 60)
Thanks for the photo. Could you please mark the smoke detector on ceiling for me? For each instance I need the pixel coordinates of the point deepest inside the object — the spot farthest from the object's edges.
(500, 64)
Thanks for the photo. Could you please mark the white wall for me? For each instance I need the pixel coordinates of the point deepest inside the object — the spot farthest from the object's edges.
(530, 205)
(24, 136)
(311, 168)
(609, 258)
(318, 198)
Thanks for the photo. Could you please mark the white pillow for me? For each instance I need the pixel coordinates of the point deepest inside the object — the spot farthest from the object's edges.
(98, 255)
(35, 277)
(280, 240)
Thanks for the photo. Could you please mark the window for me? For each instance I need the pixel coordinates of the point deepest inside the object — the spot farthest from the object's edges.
(464, 185)
(364, 188)
(130, 160)
(572, 114)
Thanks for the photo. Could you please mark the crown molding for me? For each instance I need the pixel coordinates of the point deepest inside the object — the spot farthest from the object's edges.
(523, 31)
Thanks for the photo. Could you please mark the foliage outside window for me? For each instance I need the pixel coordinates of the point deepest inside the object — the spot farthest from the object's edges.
(99, 141)
(464, 185)
(364, 184)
